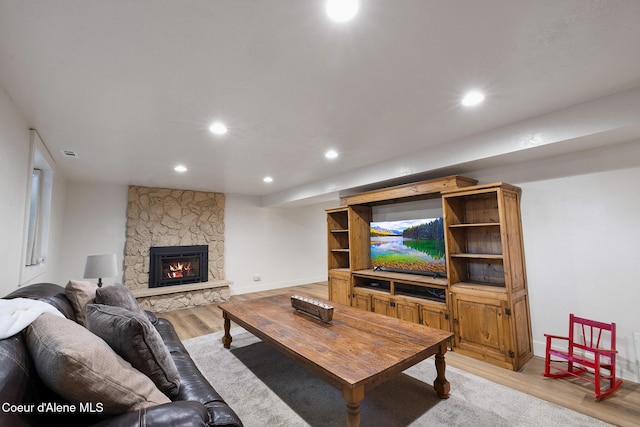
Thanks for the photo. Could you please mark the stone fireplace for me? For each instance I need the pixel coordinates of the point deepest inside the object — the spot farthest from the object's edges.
(161, 217)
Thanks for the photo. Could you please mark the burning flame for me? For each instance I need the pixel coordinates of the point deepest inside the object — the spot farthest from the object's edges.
(179, 269)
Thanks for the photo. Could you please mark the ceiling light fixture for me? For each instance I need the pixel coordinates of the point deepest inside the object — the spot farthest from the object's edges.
(267, 179)
(331, 154)
(218, 128)
(472, 98)
(180, 168)
(342, 10)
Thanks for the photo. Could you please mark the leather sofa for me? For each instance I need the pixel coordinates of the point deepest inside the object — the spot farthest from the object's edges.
(197, 403)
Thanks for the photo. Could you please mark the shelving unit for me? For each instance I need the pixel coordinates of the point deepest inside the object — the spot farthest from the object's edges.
(347, 227)
(338, 232)
(487, 280)
(484, 298)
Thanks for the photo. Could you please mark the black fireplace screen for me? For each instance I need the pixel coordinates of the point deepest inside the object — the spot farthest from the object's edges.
(178, 265)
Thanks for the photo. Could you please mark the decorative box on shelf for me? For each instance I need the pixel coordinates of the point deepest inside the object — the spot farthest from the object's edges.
(315, 308)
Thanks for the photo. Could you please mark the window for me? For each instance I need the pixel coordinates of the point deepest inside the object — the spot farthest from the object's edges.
(33, 244)
(38, 208)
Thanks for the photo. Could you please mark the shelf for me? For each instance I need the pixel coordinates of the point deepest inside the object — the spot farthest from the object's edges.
(337, 219)
(421, 292)
(478, 256)
(481, 290)
(339, 259)
(479, 286)
(415, 279)
(475, 224)
(378, 287)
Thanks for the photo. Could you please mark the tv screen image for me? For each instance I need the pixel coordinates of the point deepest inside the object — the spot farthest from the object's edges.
(409, 246)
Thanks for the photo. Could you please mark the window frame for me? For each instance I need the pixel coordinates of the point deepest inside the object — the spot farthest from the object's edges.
(39, 158)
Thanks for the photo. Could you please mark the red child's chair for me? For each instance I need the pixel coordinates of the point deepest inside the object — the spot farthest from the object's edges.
(582, 355)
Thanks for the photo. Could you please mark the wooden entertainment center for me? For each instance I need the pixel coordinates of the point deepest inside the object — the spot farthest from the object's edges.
(483, 300)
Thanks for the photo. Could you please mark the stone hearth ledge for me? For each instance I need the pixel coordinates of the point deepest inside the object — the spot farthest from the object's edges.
(168, 298)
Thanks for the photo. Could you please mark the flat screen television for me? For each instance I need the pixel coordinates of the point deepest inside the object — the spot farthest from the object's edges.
(409, 246)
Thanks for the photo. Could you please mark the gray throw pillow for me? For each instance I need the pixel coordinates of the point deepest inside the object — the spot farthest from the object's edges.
(118, 295)
(133, 337)
(80, 293)
(81, 367)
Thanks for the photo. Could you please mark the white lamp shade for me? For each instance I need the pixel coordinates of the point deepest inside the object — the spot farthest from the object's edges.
(98, 266)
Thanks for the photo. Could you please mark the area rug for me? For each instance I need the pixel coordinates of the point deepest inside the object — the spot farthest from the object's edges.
(266, 388)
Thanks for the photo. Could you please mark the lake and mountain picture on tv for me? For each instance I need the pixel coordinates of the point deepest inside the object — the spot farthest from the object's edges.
(411, 246)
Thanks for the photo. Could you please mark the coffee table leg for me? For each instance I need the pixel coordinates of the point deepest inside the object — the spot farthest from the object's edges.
(441, 384)
(353, 396)
(226, 338)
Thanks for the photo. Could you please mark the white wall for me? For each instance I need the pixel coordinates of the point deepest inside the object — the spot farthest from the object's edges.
(14, 164)
(14, 171)
(284, 246)
(581, 258)
(95, 216)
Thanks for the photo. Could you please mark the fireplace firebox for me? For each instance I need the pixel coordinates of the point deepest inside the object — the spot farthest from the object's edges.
(178, 265)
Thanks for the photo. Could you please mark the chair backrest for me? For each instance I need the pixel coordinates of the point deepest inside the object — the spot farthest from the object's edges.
(591, 333)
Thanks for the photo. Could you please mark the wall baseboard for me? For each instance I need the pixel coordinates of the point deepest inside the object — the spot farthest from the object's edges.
(235, 290)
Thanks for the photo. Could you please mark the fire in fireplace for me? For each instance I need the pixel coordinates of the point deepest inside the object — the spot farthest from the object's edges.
(179, 269)
(177, 265)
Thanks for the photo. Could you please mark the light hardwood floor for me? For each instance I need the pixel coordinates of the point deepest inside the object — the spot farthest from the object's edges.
(622, 408)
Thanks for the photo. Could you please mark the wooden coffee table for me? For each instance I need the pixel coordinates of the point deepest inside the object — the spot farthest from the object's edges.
(355, 352)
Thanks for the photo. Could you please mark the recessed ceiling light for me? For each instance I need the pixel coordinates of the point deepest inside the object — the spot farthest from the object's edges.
(218, 128)
(180, 168)
(267, 179)
(472, 98)
(331, 154)
(342, 10)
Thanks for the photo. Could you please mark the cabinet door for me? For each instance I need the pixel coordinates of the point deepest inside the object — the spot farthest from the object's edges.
(481, 328)
(407, 310)
(339, 287)
(382, 304)
(361, 300)
(435, 316)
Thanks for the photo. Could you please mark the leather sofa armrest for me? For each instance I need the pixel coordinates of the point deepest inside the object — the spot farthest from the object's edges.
(47, 292)
(152, 317)
(174, 414)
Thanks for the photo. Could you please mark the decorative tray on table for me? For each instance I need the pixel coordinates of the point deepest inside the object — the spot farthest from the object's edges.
(318, 309)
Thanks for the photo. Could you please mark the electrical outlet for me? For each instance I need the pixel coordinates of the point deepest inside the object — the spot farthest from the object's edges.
(256, 277)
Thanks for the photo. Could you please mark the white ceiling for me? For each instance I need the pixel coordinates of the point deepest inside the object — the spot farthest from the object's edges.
(132, 85)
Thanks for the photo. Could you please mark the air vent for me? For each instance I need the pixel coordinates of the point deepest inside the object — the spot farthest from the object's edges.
(69, 153)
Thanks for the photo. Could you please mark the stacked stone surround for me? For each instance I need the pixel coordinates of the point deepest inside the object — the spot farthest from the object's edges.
(168, 217)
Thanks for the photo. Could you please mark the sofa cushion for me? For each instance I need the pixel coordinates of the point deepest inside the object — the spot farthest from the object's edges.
(81, 367)
(134, 338)
(119, 296)
(80, 293)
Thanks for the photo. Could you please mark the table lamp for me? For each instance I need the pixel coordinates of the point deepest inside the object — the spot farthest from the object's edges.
(99, 266)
